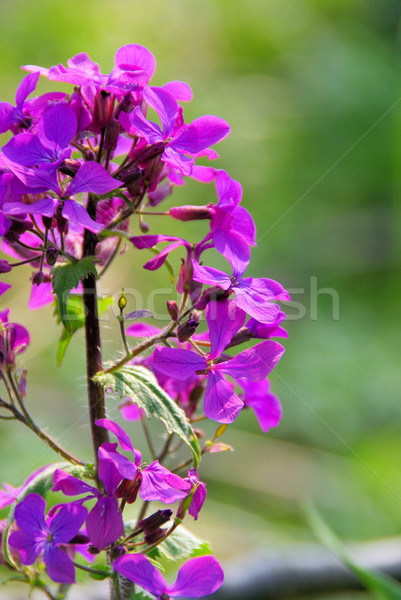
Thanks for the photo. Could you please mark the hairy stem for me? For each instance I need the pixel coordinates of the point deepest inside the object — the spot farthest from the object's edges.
(94, 363)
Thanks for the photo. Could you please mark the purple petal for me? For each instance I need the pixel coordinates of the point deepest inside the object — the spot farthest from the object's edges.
(4, 287)
(26, 87)
(228, 190)
(268, 289)
(57, 127)
(200, 134)
(6, 112)
(255, 306)
(27, 150)
(158, 483)
(198, 577)
(104, 524)
(148, 241)
(235, 248)
(177, 160)
(150, 131)
(45, 207)
(27, 546)
(164, 103)
(224, 320)
(210, 275)
(113, 467)
(139, 569)
(92, 177)
(255, 363)
(137, 56)
(198, 499)
(220, 402)
(158, 261)
(59, 566)
(265, 405)
(40, 295)
(76, 213)
(203, 174)
(130, 411)
(67, 522)
(70, 485)
(177, 363)
(29, 514)
(118, 431)
(142, 330)
(180, 90)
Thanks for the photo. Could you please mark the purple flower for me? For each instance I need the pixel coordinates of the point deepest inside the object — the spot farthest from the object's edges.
(39, 536)
(220, 403)
(14, 339)
(252, 294)
(264, 404)
(13, 117)
(35, 157)
(199, 495)
(104, 524)
(155, 481)
(181, 142)
(90, 177)
(198, 577)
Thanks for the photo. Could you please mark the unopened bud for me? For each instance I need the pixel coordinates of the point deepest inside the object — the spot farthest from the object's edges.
(111, 135)
(156, 520)
(172, 308)
(103, 109)
(38, 278)
(47, 222)
(186, 330)
(144, 227)
(51, 256)
(122, 301)
(190, 213)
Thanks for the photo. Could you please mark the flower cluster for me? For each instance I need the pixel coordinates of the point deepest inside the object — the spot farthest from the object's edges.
(77, 176)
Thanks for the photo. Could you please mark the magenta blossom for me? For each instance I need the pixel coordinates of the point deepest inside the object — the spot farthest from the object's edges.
(198, 577)
(14, 339)
(220, 402)
(14, 117)
(264, 404)
(39, 536)
(253, 295)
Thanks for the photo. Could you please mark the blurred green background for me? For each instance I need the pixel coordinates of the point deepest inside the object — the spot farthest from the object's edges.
(312, 91)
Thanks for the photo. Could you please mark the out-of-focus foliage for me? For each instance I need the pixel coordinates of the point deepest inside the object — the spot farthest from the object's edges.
(312, 91)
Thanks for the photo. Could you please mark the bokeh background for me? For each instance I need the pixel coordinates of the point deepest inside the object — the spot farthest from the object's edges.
(312, 91)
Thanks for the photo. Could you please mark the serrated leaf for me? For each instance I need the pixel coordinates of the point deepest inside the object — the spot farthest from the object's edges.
(141, 386)
(67, 277)
(182, 544)
(76, 319)
(40, 484)
(381, 584)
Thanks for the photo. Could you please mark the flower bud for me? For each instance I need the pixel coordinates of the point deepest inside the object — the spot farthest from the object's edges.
(144, 227)
(172, 308)
(38, 278)
(159, 518)
(103, 109)
(111, 135)
(4, 266)
(190, 213)
(70, 166)
(122, 301)
(186, 330)
(51, 256)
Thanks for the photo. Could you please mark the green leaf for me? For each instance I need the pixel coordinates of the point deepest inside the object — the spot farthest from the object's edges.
(41, 484)
(105, 571)
(76, 319)
(381, 584)
(182, 544)
(141, 386)
(139, 596)
(67, 277)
